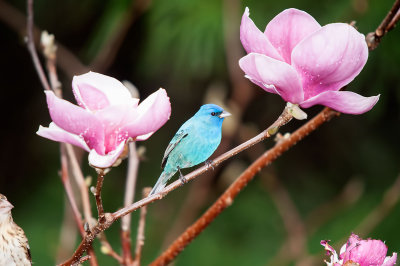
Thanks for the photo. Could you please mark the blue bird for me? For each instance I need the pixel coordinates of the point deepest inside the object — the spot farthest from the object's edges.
(194, 143)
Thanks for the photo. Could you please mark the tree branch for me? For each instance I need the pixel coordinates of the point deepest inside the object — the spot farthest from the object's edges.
(140, 231)
(228, 196)
(284, 118)
(97, 195)
(31, 47)
(374, 38)
(130, 188)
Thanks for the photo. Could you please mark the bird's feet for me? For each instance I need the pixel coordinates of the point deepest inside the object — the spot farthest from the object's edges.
(182, 177)
(209, 163)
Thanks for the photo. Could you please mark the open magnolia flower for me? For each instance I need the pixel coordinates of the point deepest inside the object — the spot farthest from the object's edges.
(304, 63)
(106, 118)
(359, 252)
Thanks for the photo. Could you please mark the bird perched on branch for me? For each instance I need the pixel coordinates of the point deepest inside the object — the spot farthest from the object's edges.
(14, 248)
(195, 141)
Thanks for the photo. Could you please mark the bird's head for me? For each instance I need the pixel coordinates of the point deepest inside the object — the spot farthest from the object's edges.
(212, 112)
(5, 205)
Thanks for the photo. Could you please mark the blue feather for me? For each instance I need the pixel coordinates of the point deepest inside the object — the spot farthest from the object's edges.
(194, 142)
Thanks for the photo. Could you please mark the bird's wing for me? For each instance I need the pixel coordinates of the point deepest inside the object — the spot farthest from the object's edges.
(181, 134)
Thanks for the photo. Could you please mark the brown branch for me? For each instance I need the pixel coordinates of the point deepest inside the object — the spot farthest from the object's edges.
(284, 118)
(140, 231)
(69, 192)
(107, 249)
(97, 195)
(31, 47)
(374, 38)
(80, 180)
(130, 188)
(227, 197)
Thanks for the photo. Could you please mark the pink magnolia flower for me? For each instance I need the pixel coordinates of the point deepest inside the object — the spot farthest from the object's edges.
(304, 63)
(106, 118)
(360, 252)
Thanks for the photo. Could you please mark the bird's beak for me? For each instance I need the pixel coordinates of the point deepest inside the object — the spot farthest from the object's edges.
(224, 114)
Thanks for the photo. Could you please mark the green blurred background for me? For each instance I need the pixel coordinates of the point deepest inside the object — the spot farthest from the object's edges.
(324, 188)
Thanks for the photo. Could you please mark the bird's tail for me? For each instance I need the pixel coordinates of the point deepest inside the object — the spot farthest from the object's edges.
(161, 182)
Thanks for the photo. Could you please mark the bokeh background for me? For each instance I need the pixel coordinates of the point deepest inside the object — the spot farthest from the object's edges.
(342, 178)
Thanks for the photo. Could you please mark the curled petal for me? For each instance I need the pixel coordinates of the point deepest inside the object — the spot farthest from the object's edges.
(288, 28)
(253, 40)
(107, 160)
(151, 114)
(144, 137)
(94, 91)
(55, 133)
(76, 120)
(343, 101)
(329, 58)
(271, 72)
(390, 261)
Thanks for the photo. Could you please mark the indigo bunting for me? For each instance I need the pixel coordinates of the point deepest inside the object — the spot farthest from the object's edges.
(194, 142)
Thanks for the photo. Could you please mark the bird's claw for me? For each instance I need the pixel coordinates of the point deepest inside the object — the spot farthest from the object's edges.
(182, 177)
(209, 163)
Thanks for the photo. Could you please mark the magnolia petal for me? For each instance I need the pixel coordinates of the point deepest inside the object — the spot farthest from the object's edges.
(151, 114)
(366, 252)
(390, 261)
(96, 91)
(347, 102)
(253, 40)
(144, 137)
(288, 28)
(268, 71)
(329, 58)
(108, 160)
(55, 133)
(76, 120)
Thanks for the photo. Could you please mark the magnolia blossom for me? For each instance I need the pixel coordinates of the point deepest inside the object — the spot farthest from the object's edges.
(304, 63)
(360, 252)
(106, 118)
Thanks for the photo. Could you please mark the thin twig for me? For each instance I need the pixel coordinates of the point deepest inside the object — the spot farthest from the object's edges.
(68, 189)
(69, 192)
(80, 180)
(31, 47)
(374, 38)
(383, 27)
(107, 249)
(228, 196)
(130, 188)
(97, 195)
(284, 118)
(140, 231)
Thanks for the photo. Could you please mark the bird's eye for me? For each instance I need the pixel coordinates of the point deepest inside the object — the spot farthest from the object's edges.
(213, 113)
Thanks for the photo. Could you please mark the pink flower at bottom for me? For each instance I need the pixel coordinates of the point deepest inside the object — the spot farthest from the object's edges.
(106, 117)
(357, 251)
(304, 63)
